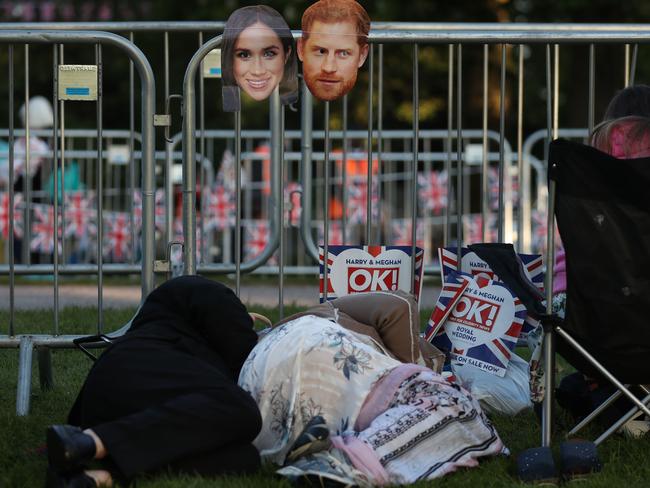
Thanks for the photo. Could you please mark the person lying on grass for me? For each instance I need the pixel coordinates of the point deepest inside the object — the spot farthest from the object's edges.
(340, 405)
(164, 396)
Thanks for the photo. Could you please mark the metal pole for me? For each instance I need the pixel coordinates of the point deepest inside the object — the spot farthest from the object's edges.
(459, 153)
(635, 53)
(344, 173)
(380, 124)
(100, 194)
(24, 386)
(502, 129)
(626, 69)
(131, 152)
(370, 126)
(238, 203)
(326, 206)
(592, 88)
(202, 183)
(523, 215)
(62, 133)
(27, 234)
(279, 111)
(556, 91)
(450, 121)
(549, 337)
(55, 167)
(10, 236)
(169, 188)
(306, 147)
(485, 168)
(414, 169)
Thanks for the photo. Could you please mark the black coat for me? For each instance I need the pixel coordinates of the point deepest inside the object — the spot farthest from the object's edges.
(200, 316)
(166, 392)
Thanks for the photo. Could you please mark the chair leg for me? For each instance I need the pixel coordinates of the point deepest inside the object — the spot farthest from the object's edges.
(573, 343)
(620, 422)
(595, 413)
(549, 388)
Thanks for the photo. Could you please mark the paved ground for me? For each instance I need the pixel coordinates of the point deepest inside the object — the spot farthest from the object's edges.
(28, 297)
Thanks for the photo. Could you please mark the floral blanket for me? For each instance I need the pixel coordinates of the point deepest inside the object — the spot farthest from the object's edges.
(307, 367)
(391, 423)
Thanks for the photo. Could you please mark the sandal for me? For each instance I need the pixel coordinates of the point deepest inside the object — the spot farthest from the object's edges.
(315, 437)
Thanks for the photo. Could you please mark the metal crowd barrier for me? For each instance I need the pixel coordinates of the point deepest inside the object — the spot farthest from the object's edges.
(452, 38)
(551, 38)
(44, 342)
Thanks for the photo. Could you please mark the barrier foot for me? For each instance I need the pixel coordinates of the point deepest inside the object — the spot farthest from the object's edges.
(24, 376)
(45, 368)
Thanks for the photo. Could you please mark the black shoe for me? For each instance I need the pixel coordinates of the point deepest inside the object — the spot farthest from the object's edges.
(68, 448)
(77, 479)
(313, 438)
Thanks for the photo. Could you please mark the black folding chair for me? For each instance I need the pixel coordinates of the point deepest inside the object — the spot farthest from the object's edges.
(602, 208)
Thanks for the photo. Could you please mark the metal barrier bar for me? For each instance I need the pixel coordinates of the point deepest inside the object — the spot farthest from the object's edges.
(26, 343)
(450, 121)
(55, 164)
(10, 235)
(502, 129)
(189, 173)
(459, 150)
(371, 62)
(484, 162)
(100, 195)
(326, 203)
(414, 167)
(523, 215)
(28, 178)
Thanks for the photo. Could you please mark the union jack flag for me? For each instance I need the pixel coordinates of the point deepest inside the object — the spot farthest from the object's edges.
(256, 238)
(491, 355)
(219, 208)
(159, 209)
(293, 203)
(475, 266)
(432, 190)
(334, 233)
(402, 232)
(473, 228)
(117, 238)
(357, 210)
(17, 215)
(80, 214)
(43, 230)
(540, 233)
(452, 289)
(493, 189)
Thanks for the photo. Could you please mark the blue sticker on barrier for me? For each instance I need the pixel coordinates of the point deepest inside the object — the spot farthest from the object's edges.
(77, 91)
(215, 71)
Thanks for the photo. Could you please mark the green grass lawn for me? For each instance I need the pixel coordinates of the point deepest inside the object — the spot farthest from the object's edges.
(22, 461)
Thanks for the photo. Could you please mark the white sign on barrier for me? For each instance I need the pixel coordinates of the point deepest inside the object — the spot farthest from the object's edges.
(119, 154)
(212, 64)
(78, 82)
(358, 269)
